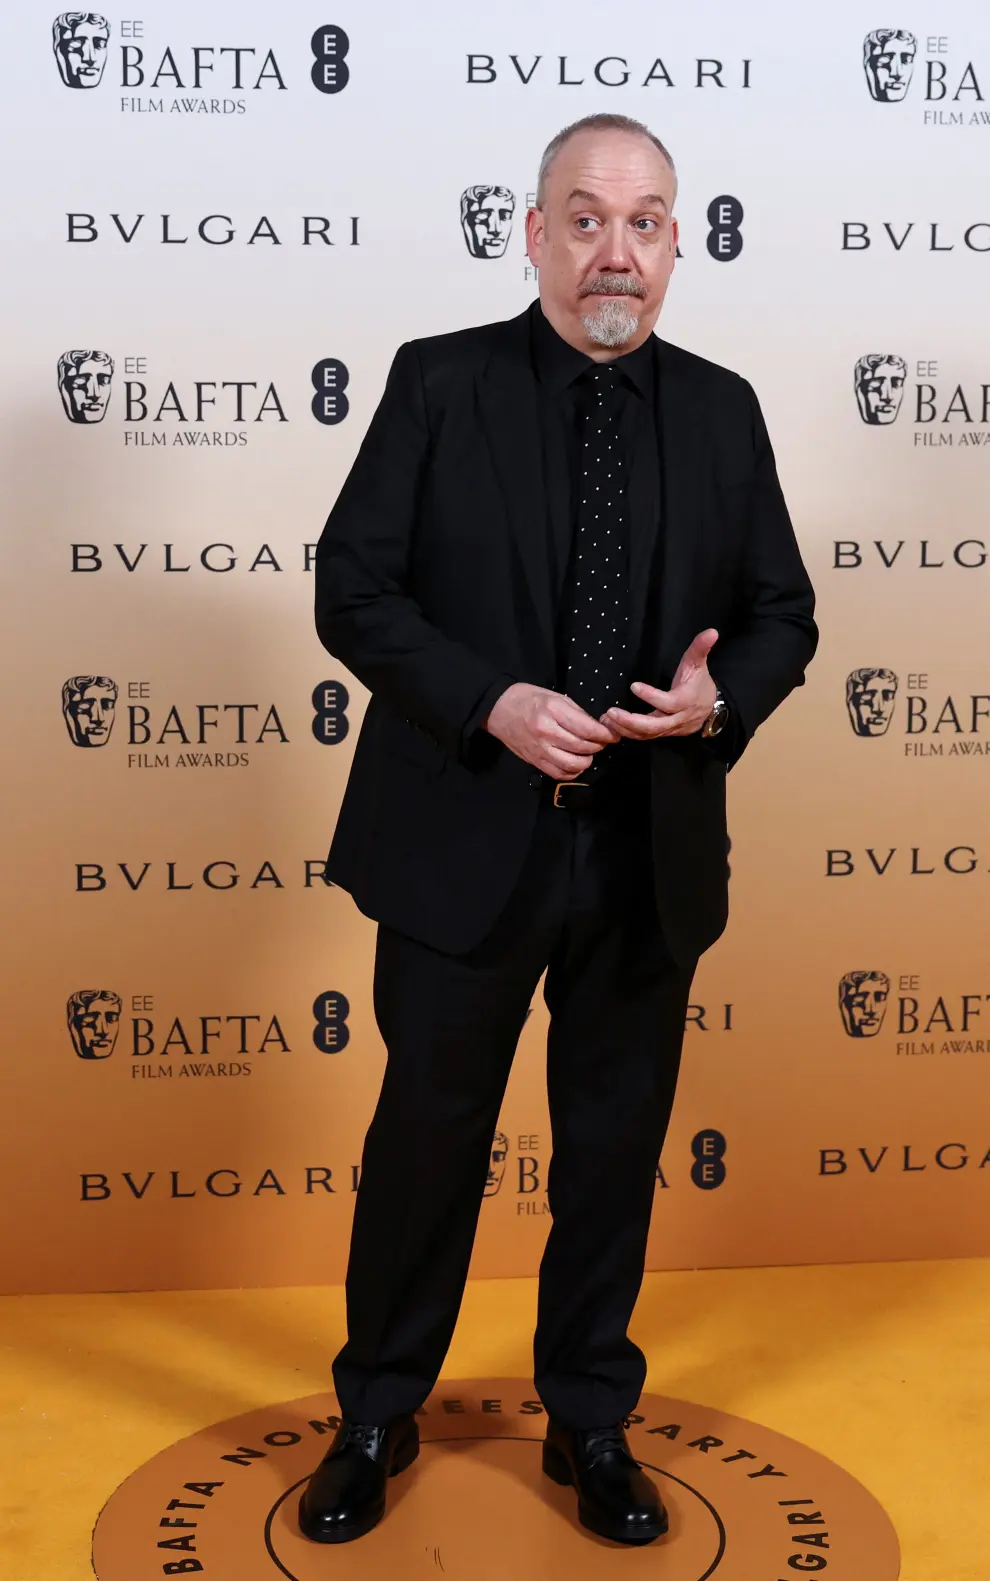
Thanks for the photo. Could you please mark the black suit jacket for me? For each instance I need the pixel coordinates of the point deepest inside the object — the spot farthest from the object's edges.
(434, 578)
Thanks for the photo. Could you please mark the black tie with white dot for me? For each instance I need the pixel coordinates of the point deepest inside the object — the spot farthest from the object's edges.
(596, 613)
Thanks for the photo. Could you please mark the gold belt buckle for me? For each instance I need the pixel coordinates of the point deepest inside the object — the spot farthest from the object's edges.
(562, 785)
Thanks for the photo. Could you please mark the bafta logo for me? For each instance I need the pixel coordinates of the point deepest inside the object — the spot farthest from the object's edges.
(496, 1168)
(80, 39)
(888, 60)
(870, 698)
(863, 1002)
(879, 380)
(486, 220)
(84, 379)
(93, 1015)
(88, 706)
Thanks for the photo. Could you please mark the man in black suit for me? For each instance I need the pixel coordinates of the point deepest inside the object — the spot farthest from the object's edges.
(564, 569)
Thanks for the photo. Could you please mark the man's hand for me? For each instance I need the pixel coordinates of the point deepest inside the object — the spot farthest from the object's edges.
(548, 730)
(680, 712)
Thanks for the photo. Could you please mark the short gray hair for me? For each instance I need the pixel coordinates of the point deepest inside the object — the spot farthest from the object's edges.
(592, 123)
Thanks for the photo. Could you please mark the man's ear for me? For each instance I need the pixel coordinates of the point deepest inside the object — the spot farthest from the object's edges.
(535, 230)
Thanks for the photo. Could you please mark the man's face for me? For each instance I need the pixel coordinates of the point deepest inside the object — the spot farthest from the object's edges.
(889, 67)
(605, 240)
(880, 391)
(864, 1004)
(81, 52)
(488, 224)
(86, 391)
(870, 700)
(496, 1167)
(93, 1028)
(89, 716)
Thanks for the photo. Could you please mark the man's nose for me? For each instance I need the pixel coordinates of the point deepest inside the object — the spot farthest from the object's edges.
(615, 256)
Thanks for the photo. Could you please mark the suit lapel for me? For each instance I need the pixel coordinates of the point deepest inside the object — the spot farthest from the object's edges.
(507, 401)
(643, 507)
(682, 445)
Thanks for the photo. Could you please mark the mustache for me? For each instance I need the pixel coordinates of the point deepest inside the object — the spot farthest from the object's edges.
(613, 285)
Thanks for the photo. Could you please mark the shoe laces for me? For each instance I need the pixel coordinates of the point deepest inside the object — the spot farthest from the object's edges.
(360, 1435)
(600, 1441)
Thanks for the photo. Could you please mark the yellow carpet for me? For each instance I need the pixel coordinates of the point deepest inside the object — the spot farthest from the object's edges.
(883, 1367)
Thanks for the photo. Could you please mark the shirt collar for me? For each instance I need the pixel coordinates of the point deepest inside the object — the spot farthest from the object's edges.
(558, 363)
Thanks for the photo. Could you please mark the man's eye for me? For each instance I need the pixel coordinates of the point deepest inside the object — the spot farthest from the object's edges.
(586, 222)
(646, 224)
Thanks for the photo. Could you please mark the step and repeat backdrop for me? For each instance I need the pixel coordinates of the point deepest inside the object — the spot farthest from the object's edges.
(222, 220)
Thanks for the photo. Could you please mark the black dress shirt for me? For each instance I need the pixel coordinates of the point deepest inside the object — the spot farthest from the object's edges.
(564, 402)
(559, 368)
(562, 396)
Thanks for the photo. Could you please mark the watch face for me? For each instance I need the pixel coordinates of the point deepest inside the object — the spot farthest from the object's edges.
(716, 719)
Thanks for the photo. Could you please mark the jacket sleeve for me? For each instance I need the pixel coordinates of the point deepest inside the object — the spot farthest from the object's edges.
(773, 636)
(365, 614)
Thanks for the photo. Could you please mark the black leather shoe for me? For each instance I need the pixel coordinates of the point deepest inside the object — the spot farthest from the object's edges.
(616, 1499)
(345, 1496)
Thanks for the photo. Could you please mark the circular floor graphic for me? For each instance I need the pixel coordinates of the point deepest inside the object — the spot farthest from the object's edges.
(745, 1504)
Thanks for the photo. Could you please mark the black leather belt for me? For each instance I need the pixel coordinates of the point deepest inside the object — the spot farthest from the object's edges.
(579, 795)
(569, 793)
(619, 786)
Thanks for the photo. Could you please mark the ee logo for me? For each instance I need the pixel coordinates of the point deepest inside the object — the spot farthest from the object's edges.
(331, 1032)
(708, 1150)
(330, 71)
(330, 379)
(724, 239)
(330, 721)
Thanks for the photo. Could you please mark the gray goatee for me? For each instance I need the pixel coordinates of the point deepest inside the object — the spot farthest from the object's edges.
(613, 323)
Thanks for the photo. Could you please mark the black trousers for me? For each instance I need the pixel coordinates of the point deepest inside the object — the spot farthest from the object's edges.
(583, 909)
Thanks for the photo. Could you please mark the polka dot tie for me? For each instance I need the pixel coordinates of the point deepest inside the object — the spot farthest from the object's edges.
(596, 618)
